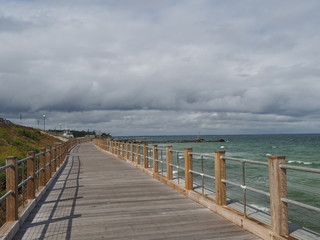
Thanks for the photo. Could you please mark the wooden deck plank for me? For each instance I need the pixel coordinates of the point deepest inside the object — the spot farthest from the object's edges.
(98, 196)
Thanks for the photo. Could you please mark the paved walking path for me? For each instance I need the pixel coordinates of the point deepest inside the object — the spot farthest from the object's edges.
(98, 196)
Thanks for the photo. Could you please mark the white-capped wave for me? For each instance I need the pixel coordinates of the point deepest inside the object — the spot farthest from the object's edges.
(300, 162)
(261, 208)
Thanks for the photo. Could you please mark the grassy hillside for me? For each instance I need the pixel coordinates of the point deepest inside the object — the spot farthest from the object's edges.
(17, 140)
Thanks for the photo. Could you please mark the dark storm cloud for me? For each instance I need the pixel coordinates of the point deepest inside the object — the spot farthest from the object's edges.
(231, 66)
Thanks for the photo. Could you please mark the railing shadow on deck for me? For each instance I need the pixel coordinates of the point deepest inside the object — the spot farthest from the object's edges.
(74, 165)
(28, 179)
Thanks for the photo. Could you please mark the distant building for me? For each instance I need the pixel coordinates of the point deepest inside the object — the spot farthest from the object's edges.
(67, 134)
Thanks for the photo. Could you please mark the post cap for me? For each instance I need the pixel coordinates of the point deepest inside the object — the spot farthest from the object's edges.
(273, 157)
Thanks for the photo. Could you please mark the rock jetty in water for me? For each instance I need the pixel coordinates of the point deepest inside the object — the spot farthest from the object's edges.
(142, 141)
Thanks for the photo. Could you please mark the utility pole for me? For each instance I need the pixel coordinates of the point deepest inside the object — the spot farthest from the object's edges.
(44, 122)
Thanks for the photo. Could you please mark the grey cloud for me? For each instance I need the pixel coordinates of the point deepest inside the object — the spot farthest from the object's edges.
(246, 59)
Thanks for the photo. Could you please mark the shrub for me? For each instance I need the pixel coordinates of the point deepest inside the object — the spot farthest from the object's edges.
(32, 134)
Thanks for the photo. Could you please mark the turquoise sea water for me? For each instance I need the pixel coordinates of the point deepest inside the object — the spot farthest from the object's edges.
(301, 150)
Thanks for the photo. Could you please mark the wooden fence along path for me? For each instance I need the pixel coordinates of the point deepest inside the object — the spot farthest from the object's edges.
(185, 172)
(27, 180)
(97, 196)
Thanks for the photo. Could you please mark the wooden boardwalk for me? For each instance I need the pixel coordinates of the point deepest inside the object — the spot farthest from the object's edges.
(98, 196)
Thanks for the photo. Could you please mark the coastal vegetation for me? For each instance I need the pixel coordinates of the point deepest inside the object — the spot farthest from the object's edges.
(16, 140)
(79, 134)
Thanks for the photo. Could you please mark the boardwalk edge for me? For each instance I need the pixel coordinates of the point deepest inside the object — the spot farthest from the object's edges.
(9, 229)
(257, 228)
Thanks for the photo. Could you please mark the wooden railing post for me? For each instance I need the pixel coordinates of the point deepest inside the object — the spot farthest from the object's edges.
(155, 159)
(127, 151)
(123, 150)
(12, 185)
(132, 152)
(57, 154)
(31, 192)
(219, 174)
(65, 152)
(53, 163)
(42, 163)
(169, 162)
(145, 156)
(112, 151)
(119, 146)
(48, 161)
(188, 166)
(60, 154)
(138, 154)
(278, 190)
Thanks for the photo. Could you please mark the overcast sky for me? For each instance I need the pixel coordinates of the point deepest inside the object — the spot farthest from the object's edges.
(150, 67)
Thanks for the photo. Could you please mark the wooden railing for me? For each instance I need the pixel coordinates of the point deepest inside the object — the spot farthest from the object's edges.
(26, 178)
(150, 160)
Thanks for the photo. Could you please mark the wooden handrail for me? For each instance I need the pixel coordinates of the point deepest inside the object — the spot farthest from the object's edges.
(48, 162)
(277, 182)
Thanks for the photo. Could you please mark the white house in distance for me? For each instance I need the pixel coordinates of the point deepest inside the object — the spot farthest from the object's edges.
(67, 134)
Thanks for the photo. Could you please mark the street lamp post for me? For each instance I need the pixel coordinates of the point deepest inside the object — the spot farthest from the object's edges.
(44, 122)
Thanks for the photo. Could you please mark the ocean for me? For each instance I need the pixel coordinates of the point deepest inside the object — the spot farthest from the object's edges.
(301, 150)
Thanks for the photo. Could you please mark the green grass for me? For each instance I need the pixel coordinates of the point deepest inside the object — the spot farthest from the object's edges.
(17, 141)
(31, 134)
